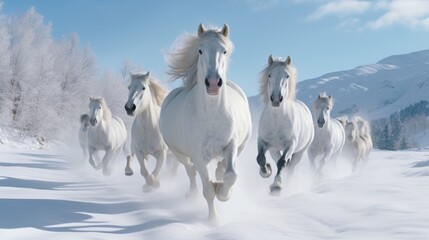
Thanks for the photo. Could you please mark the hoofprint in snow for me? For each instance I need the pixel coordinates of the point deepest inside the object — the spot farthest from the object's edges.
(55, 195)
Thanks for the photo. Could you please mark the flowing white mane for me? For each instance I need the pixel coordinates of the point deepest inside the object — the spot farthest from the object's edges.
(158, 91)
(325, 98)
(263, 81)
(182, 59)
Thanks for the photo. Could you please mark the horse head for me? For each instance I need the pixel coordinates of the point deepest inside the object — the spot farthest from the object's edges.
(280, 80)
(138, 89)
(213, 52)
(95, 110)
(323, 106)
(351, 130)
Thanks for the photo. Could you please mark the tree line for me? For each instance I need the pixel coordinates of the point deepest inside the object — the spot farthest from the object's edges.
(45, 82)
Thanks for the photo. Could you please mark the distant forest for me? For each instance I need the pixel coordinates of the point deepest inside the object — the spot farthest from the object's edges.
(393, 132)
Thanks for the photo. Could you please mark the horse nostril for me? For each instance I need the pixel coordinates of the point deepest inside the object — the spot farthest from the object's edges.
(281, 98)
(133, 107)
(220, 82)
(271, 98)
(207, 82)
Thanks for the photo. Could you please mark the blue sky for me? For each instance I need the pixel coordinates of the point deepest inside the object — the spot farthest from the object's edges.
(321, 35)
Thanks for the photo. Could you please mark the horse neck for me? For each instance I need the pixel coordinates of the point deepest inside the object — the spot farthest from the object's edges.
(150, 113)
(107, 114)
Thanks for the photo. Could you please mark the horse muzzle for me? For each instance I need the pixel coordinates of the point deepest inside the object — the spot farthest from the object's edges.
(93, 122)
(213, 85)
(321, 124)
(130, 111)
(276, 100)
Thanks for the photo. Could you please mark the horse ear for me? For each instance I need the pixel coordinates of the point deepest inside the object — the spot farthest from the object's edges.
(201, 30)
(318, 97)
(330, 97)
(225, 30)
(147, 75)
(270, 59)
(288, 60)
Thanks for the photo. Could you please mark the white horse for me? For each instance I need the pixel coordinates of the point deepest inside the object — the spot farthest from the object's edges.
(355, 146)
(144, 100)
(208, 118)
(83, 134)
(285, 126)
(364, 133)
(107, 133)
(329, 135)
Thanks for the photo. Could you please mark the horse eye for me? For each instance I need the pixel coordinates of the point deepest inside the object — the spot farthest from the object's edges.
(144, 88)
(327, 108)
(224, 52)
(269, 75)
(201, 52)
(287, 76)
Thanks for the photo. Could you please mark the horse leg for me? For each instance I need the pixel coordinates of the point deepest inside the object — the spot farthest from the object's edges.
(220, 170)
(281, 163)
(160, 159)
(223, 189)
(209, 188)
(107, 159)
(312, 154)
(172, 165)
(141, 157)
(128, 169)
(190, 170)
(296, 158)
(93, 154)
(265, 168)
(129, 155)
(323, 160)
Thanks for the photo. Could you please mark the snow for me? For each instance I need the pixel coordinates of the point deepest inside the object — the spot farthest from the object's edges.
(57, 195)
(398, 80)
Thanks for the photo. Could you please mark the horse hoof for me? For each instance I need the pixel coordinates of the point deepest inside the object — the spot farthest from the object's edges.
(155, 184)
(128, 172)
(220, 193)
(220, 173)
(266, 171)
(146, 188)
(191, 195)
(275, 190)
(107, 172)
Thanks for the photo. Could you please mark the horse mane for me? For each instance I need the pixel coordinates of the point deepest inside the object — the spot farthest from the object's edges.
(158, 91)
(343, 120)
(84, 118)
(107, 114)
(263, 80)
(183, 57)
(323, 97)
(363, 125)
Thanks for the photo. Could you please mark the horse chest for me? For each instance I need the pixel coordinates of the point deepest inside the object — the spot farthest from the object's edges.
(214, 135)
(276, 129)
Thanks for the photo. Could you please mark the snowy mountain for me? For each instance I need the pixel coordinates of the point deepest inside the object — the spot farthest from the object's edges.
(374, 90)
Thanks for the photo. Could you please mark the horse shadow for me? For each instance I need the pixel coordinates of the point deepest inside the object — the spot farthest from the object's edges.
(47, 214)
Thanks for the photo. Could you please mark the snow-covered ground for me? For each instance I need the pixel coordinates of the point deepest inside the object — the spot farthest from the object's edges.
(54, 195)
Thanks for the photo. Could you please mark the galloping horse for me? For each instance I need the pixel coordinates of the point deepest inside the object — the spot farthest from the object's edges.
(208, 118)
(144, 100)
(329, 135)
(106, 133)
(285, 126)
